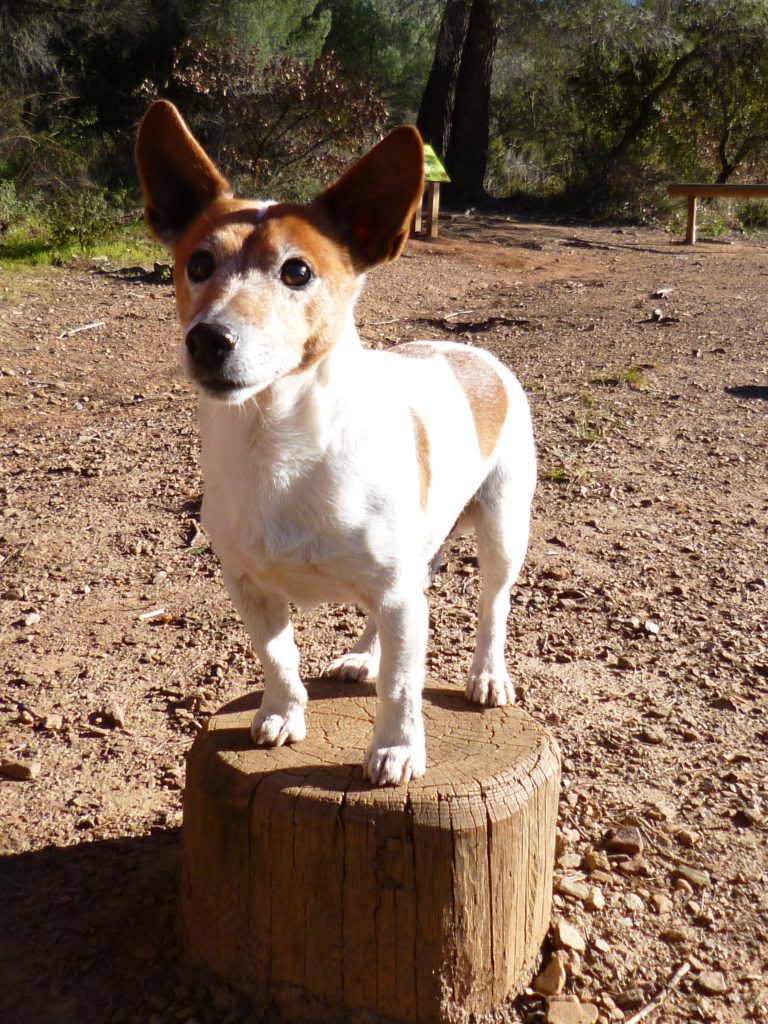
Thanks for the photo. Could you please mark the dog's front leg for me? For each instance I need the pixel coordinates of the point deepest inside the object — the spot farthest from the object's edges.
(280, 719)
(397, 752)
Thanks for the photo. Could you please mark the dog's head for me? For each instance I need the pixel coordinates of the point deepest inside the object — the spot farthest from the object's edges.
(266, 289)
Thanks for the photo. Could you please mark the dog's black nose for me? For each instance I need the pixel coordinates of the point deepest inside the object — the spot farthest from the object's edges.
(210, 344)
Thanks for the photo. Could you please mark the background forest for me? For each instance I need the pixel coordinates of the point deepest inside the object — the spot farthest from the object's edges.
(593, 106)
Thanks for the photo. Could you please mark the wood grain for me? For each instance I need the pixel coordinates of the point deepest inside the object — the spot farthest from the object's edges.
(311, 891)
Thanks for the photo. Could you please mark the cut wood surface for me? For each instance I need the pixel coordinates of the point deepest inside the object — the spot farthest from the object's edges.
(311, 891)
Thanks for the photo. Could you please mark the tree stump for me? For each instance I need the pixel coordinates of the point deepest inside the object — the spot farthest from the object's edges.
(313, 892)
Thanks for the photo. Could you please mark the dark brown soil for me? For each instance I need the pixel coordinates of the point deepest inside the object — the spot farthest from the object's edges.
(639, 629)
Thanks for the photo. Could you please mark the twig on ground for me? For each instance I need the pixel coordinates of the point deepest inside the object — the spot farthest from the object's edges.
(662, 995)
(85, 327)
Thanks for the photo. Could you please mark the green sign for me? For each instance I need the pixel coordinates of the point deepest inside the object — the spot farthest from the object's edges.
(433, 169)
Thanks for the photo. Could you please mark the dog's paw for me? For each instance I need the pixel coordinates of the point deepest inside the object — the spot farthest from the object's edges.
(353, 668)
(493, 690)
(271, 729)
(394, 766)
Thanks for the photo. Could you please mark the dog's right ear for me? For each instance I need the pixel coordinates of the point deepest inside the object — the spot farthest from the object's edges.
(177, 177)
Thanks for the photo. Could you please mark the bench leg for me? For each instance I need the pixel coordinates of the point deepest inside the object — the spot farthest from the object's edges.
(690, 231)
(433, 208)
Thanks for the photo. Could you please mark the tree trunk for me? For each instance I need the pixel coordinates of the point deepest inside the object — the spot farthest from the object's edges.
(436, 109)
(467, 152)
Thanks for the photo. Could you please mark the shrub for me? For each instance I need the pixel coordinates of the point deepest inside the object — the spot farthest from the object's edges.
(280, 124)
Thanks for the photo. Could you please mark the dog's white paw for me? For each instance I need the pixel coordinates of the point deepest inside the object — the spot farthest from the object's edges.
(271, 729)
(354, 668)
(493, 690)
(396, 765)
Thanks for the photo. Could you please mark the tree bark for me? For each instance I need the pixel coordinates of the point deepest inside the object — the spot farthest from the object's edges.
(436, 110)
(467, 152)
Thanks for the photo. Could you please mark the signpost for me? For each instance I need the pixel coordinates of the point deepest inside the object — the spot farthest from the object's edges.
(434, 174)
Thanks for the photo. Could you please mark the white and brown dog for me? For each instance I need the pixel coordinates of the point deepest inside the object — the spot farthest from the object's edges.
(332, 472)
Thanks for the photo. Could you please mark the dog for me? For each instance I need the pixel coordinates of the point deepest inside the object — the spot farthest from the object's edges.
(334, 472)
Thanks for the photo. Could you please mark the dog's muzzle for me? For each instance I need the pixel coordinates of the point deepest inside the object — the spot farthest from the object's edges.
(209, 346)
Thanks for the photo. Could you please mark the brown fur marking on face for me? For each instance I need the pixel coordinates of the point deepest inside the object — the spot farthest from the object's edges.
(485, 393)
(422, 457)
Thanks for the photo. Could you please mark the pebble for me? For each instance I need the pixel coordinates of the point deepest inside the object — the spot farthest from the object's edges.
(52, 723)
(712, 982)
(551, 981)
(597, 860)
(595, 900)
(695, 877)
(687, 837)
(651, 734)
(568, 936)
(661, 903)
(571, 1011)
(676, 934)
(573, 887)
(22, 771)
(634, 903)
(626, 839)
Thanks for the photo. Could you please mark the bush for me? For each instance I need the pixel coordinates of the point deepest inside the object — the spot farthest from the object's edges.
(14, 209)
(82, 217)
(281, 126)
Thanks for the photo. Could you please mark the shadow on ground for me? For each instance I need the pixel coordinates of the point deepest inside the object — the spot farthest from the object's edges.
(112, 906)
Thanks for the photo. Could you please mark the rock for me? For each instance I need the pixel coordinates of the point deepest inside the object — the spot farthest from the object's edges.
(568, 936)
(687, 837)
(654, 735)
(572, 887)
(597, 860)
(631, 999)
(31, 619)
(636, 865)
(595, 900)
(52, 723)
(567, 1011)
(634, 903)
(551, 981)
(661, 903)
(626, 839)
(676, 935)
(569, 861)
(22, 771)
(712, 982)
(698, 879)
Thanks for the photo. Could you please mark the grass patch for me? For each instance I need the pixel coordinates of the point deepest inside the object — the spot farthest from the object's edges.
(631, 377)
(29, 246)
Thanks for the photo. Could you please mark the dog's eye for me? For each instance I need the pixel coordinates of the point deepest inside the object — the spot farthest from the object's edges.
(295, 273)
(200, 266)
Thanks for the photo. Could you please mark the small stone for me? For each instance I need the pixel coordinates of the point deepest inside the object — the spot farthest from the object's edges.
(31, 619)
(634, 903)
(651, 734)
(595, 900)
(625, 664)
(631, 999)
(634, 866)
(22, 771)
(567, 1011)
(597, 860)
(52, 723)
(661, 903)
(698, 879)
(712, 982)
(573, 887)
(626, 839)
(568, 936)
(551, 981)
(687, 837)
(569, 861)
(676, 934)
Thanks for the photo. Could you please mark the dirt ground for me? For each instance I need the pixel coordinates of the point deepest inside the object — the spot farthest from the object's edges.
(638, 631)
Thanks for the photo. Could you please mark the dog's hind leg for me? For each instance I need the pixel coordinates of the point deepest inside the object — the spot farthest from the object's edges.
(501, 517)
(362, 661)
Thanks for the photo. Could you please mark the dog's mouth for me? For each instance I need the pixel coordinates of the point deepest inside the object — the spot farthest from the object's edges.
(226, 390)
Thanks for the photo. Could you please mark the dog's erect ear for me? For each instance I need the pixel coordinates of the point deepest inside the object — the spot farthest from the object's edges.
(177, 177)
(373, 204)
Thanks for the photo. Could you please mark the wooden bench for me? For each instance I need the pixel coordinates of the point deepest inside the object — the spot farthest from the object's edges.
(693, 191)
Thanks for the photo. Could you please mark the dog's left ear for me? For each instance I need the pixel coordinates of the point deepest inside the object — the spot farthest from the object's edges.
(373, 204)
(177, 177)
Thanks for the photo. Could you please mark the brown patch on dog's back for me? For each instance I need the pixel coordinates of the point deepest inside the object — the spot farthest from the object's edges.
(422, 457)
(485, 393)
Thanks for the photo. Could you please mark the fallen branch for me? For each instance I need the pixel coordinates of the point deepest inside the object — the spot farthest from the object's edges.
(662, 995)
